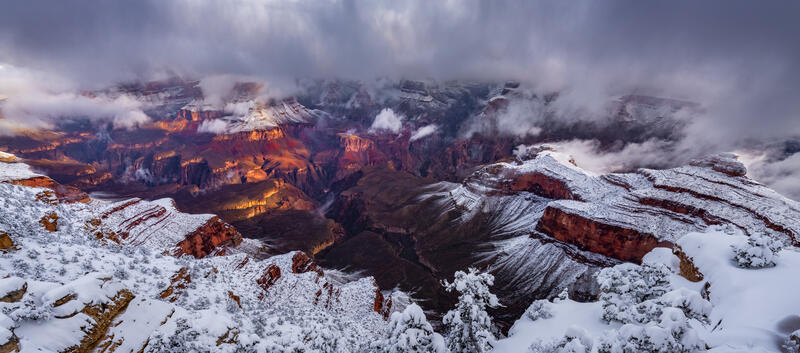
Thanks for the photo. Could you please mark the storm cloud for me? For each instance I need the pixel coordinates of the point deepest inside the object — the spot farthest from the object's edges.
(737, 58)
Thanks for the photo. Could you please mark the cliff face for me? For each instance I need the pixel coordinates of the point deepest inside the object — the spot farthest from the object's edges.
(598, 237)
(625, 215)
(213, 237)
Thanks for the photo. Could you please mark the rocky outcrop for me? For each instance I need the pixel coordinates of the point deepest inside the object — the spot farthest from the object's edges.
(80, 312)
(14, 291)
(271, 275)
(624, 216)
(63, 193)
(103, 315)
(6, 243)
(598, 237)
(687, 268)
(301, 263)
(49, 221)
(159, 225)
(210, 238)
(540, 184)
(177, 285)
(382, 305)
(12, 345)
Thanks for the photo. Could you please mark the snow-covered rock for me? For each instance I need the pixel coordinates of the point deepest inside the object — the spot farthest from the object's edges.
(105, 278)
(732, 309)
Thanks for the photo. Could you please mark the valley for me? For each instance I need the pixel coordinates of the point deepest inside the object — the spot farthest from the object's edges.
(310, 174)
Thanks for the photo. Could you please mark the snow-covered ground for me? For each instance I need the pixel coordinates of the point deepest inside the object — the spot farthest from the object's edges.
(750, 310)
(59, 288)
(15, 171)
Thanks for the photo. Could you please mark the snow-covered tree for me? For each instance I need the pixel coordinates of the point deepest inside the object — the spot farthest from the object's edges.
(760, 251)
(182, 340)
(623, 287)
(671, 334)
(410, 331)
(539, 309)
(322, 336)
(655, 317)
(575, 340)
(792, 344)
(469, 325)
(563, 295)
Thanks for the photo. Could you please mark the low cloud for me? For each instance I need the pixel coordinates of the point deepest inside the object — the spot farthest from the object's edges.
(39, 100)
(519, 116)
(44, 110)
(214, 126)
(654, 153)
(424, 131)
(387, 121)
(217, 89)
(781, 175)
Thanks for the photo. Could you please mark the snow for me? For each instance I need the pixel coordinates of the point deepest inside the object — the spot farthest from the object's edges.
(15, 171)
(10, 284)
(749, 304)
(5, 334)
(750, 310)
(566, 313)
(141, 318)
(409, 331)
(253, 115)
(71, 262)
(154, 224)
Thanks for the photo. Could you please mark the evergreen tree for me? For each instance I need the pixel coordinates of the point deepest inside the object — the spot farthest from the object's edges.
(469, 325)
(761, 251)
(410, 331)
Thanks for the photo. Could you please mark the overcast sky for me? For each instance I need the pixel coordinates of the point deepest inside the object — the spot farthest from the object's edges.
(741, 59)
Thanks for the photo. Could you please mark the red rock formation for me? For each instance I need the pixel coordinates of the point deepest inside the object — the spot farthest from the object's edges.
(687, 268)
(63, 193)
(466, 154)
(301, 263)
(540, 184)
(6, 244)
(593, 235)
(178, 283)
(271, 275)
(211, 238)
(382, 305)
(50, 221)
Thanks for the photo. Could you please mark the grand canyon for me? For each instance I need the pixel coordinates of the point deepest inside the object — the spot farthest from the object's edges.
(210, 211)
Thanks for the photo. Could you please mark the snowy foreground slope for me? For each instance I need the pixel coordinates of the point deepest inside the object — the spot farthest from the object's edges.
(101, 276)
(729, 309)
(555, 224)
